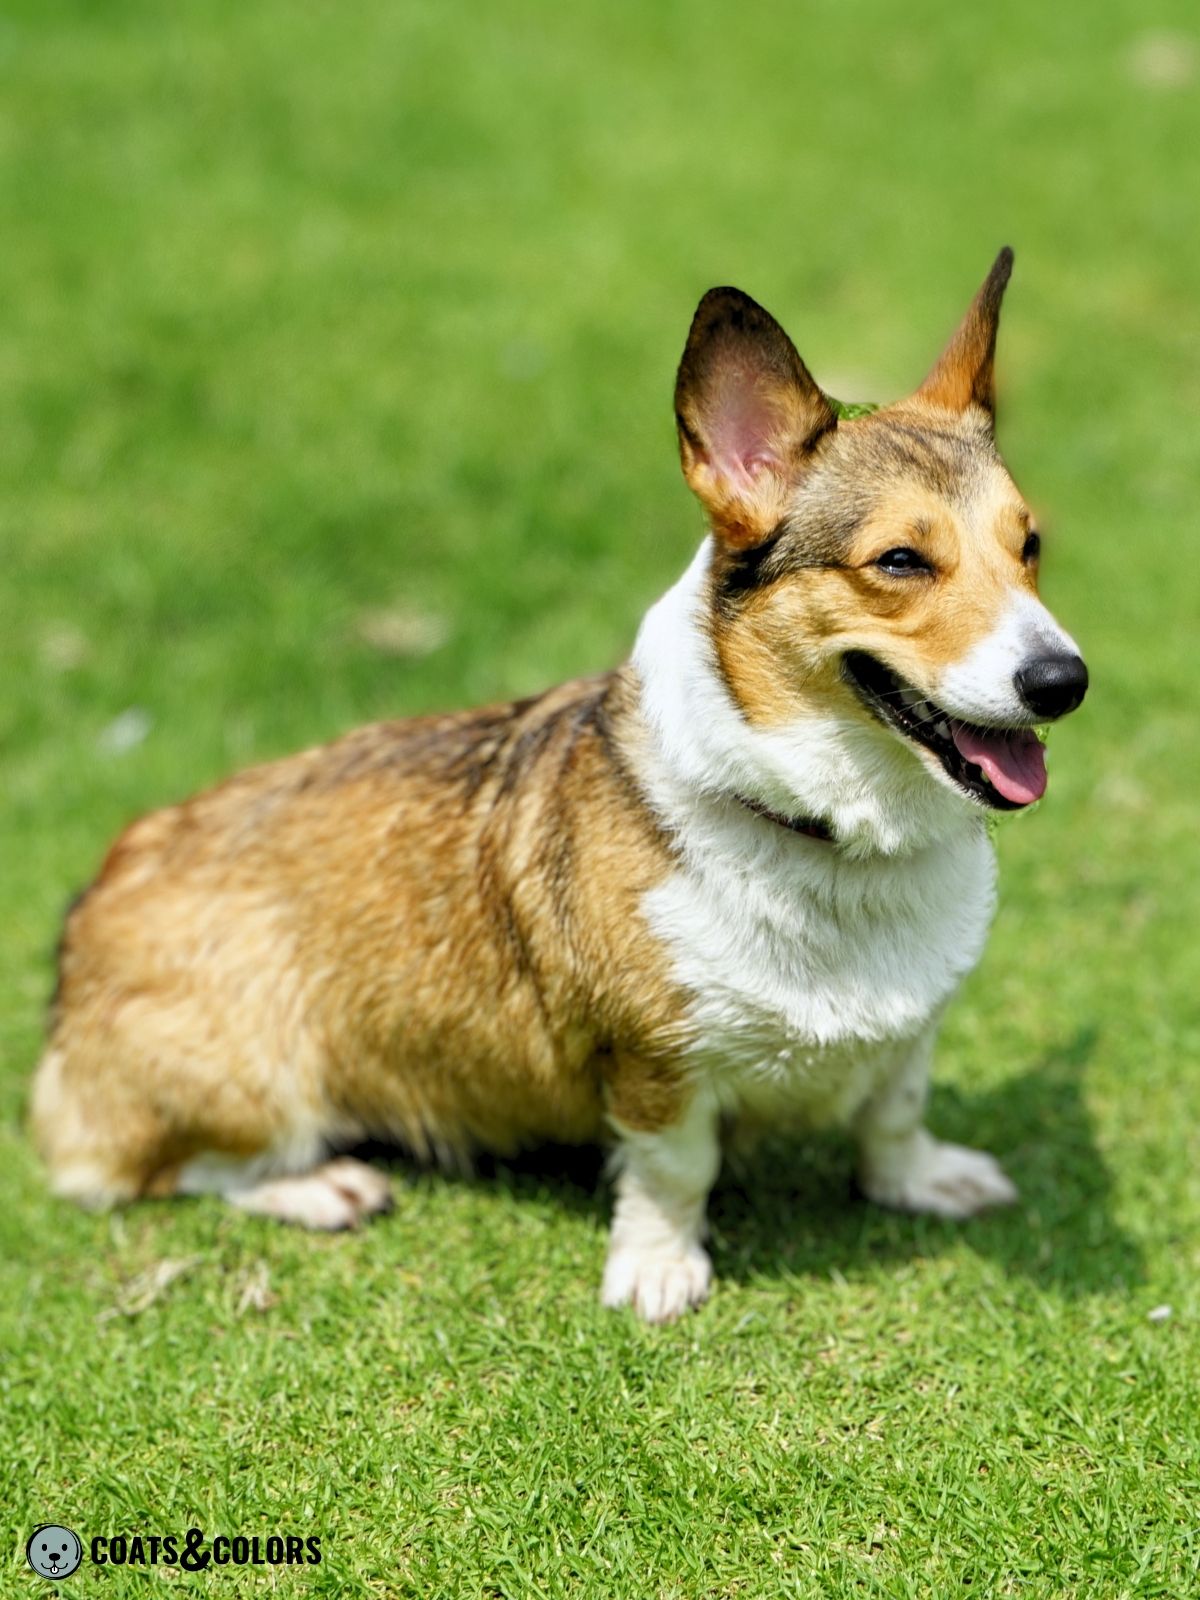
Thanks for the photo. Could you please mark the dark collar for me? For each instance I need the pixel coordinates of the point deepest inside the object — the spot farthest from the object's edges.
(810, 827)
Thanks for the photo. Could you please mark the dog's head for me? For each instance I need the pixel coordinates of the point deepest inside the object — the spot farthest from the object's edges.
(882, 568)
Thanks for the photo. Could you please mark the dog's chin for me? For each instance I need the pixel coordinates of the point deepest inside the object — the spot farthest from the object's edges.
(1001, 769)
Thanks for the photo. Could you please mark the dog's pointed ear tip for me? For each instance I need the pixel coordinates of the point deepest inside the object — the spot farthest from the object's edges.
(1002, 268)
(723, 291)
(725, 302)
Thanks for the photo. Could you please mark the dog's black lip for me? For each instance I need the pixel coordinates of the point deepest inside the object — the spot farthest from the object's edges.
(877, 686)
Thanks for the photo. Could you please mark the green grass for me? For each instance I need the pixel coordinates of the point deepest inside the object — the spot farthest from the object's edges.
(322, 320)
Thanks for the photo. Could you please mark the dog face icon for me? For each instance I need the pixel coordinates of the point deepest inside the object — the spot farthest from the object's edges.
(54, 1551)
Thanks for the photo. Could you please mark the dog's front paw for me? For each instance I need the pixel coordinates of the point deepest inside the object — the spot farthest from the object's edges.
(659, 1284)
(946, 1180)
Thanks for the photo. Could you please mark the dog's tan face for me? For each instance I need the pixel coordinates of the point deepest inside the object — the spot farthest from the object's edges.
(882, 568)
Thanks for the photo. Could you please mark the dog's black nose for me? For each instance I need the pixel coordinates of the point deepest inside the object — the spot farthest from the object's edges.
(1052, 685)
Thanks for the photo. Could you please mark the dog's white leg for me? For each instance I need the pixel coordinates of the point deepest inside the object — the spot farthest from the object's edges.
(903, 1166)
(656, 1262)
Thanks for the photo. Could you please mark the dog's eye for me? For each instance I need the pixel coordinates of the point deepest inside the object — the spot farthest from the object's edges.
(902, 561)
(1032, 548)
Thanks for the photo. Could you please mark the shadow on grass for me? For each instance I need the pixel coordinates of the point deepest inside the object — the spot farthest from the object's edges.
(792, 1205)
(798, 1207)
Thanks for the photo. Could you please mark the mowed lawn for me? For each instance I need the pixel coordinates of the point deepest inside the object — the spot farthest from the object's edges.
(336, 351)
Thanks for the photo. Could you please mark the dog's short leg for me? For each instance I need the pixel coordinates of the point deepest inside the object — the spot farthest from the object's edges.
(903, 1166)
(656, 1262)
(336, 1194)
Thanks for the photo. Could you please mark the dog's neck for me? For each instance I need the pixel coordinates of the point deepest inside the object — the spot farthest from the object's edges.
(853, 779)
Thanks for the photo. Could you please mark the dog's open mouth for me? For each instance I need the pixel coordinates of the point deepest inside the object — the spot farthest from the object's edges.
(1001, 767)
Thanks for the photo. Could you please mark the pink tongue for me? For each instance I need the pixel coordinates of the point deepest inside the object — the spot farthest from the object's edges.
(1014, 763)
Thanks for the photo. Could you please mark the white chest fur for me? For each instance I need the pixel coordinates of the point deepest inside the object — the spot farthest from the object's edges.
(811, 964)
(810, 969)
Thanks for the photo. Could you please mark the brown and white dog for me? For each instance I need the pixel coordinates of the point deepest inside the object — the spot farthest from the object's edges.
(735, 881)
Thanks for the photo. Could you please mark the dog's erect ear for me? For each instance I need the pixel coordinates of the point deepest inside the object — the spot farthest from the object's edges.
(963, 374)
(748, 412)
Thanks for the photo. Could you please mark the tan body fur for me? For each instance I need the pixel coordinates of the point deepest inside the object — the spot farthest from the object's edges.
(426, 931)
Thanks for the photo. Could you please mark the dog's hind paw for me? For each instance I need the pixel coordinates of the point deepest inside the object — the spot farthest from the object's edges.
(944, 1180)
(342, 1193)
(659, 1284)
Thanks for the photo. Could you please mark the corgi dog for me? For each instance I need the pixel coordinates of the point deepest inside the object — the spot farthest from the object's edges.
(733, 883)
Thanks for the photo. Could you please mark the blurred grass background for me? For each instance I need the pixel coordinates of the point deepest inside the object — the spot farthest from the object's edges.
(335, 384)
